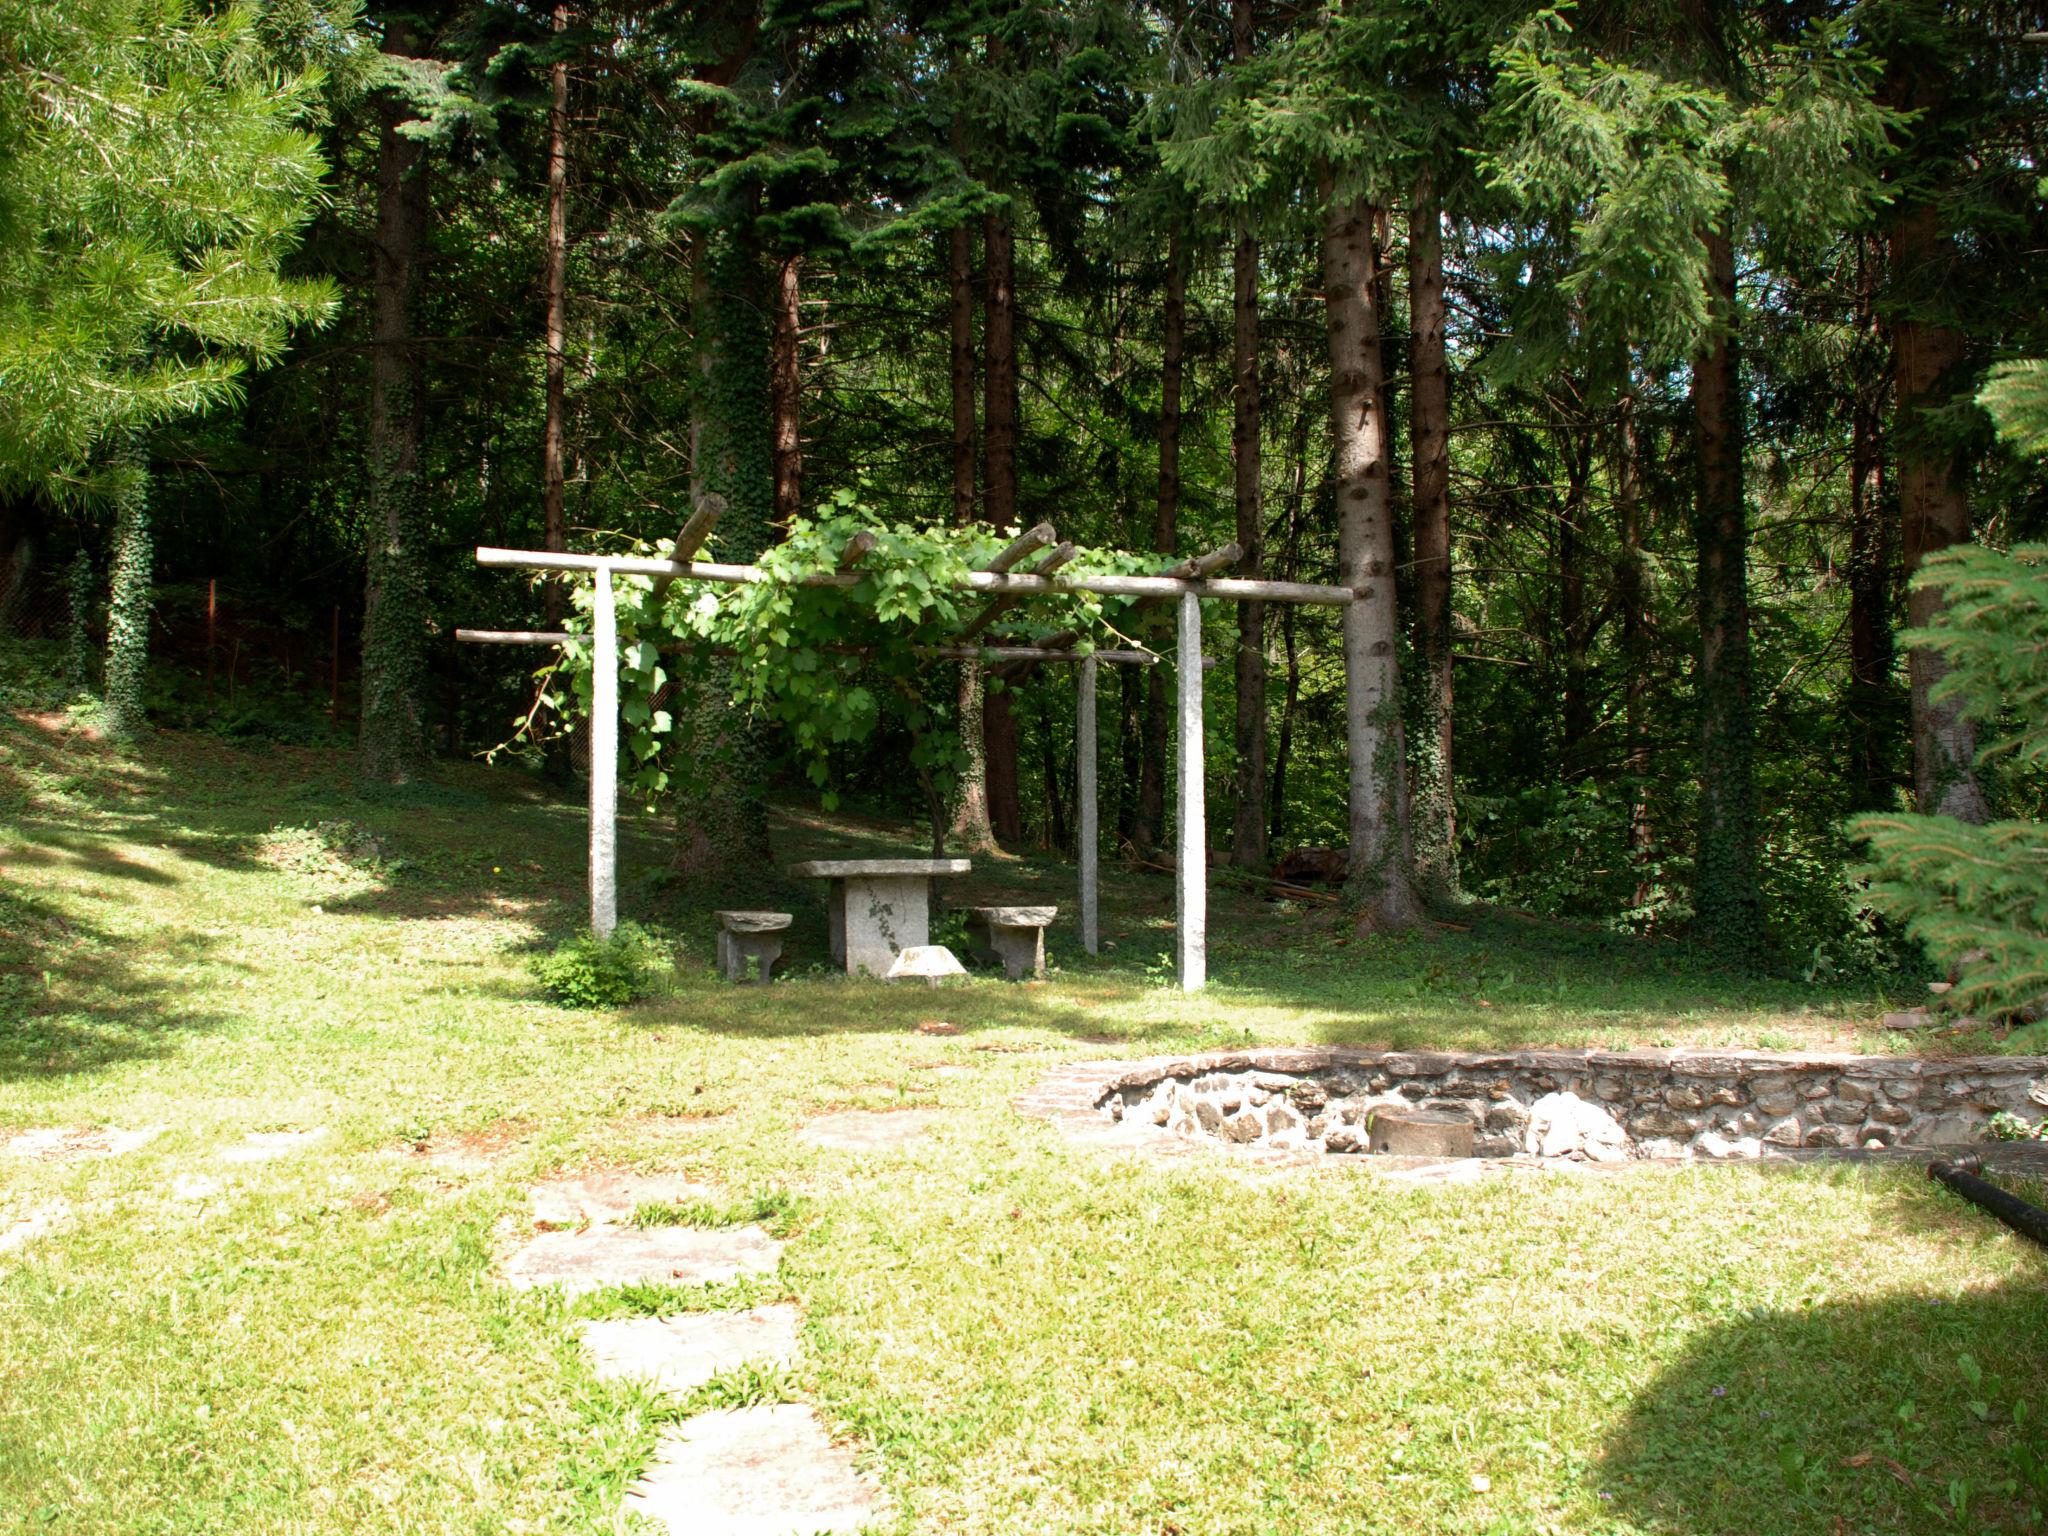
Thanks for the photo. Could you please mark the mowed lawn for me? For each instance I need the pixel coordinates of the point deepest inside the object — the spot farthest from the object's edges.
(1018, 1333)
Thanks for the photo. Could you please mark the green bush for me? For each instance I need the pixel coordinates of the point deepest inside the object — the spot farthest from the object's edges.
(585, 971)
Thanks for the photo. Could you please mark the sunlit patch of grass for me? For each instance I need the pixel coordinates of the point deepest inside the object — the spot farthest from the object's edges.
(775, 1209)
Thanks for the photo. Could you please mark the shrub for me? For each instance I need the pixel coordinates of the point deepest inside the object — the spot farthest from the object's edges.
(584, 971)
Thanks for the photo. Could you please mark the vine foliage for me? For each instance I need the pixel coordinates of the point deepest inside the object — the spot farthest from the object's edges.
(828, 665)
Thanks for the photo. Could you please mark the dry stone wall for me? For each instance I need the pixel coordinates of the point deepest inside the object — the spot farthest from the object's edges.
(1597, 1106)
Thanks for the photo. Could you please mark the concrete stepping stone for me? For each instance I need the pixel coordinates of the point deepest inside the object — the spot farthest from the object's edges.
(607, 1195)
(57, 1142)
(754, 1472)
(21, 1227)
(869, 1130)
(269, 1146)
(195, 1186)
(680, 1354)
(594, 1257)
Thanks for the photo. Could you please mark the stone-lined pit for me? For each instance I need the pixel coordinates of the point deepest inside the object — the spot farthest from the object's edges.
(1593, 1106)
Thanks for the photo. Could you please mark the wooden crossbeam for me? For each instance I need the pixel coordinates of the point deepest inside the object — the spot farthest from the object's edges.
(691, 536)
(1229, 589)
(1029, 542)
(857, 549)
(995, 610)
(942, 652)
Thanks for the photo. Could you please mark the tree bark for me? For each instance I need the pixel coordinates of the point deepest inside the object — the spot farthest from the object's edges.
(1872, 718)
(130, 600)
(1633, 597)
(1727, 902)
(555, 599)
(1248, 846)
(1151, 827)
(960, 318)
(392, 743)
(785, 392)
(1574, 621)
(1290, 699)
(1934, 507)
(1435, 812)
(999, 418)
(1380, 886)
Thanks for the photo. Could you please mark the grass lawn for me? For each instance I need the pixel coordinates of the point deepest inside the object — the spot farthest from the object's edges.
(1020, 1334)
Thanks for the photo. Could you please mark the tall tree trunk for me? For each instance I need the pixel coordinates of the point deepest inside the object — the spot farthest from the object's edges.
(1290, 700)
(1633, 583)
(1248, 847)
(1574, 621)
(960, 319)
(1871, 716)
(1726, 899)
(785, 392)
(556, 535)
(1380, 886)
(1934, 509)
(392, 744)
(128, 609)
(1165, 536)
(722, 823)
(1435, 813)
(971, 828)
(999, 418)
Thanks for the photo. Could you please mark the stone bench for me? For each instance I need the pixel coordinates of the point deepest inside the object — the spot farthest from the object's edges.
(1011, 936)
(744, 936)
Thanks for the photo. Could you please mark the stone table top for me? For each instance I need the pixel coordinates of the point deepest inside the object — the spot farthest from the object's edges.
(1017, 917)
(855, 869)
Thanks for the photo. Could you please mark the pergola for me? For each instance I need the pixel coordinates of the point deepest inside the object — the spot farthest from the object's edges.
(1008, 581)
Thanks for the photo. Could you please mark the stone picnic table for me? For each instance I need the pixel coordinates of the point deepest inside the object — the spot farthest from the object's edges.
(878, 907)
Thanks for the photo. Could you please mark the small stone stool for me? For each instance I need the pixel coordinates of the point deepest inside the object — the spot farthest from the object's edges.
(1419, 1132)
(744, 936)
(1014, 936)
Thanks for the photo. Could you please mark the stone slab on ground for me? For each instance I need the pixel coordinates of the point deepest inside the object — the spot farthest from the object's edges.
(608, 1195)
(269, 1146)
(19, 1227)
(595, 1257)
(858, 1130)
(57, 1142)
(754, 1472)
(680, 1354)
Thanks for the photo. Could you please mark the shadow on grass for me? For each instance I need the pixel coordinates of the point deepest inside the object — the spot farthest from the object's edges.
(1922, 1413)
(72, 1002)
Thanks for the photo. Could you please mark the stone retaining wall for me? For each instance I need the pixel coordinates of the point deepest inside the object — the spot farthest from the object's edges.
(1598, 1106)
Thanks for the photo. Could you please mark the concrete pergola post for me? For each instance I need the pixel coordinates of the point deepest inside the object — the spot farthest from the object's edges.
(1191, 867)
(604, 757)
(1091, 833)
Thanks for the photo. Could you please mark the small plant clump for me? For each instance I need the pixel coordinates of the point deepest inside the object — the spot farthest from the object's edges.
(2007, 1126)
(585, 971)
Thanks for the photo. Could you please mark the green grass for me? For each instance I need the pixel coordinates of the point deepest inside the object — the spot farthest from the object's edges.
(1020, 1334)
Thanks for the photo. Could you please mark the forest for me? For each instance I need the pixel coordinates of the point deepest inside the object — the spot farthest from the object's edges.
(1625, 357)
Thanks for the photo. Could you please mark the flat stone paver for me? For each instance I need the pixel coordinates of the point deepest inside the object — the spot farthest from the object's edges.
(680, 1354)
(21, 1227)
(53, 1143)
(269, 1146)
(195, 1186)
(595, 1257)
(869, 1130)
(754, 1472)
(607, 1195)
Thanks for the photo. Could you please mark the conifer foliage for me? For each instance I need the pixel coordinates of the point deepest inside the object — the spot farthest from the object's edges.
(1978, 896)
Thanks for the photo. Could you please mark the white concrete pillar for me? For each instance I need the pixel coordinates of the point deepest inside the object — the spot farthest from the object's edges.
(1191, 867)
(604, 757)
(1091, 833)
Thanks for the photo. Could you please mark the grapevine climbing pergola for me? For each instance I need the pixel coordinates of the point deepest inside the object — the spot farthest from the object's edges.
(1029, 567)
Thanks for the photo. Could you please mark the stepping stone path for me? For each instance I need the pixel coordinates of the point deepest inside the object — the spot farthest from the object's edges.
(754, 1472)
(57, 1142)
(269, 1146)
(577, 1200)
(869, 1130)
(764, 1471)
(605, 1255)
(680, 1354)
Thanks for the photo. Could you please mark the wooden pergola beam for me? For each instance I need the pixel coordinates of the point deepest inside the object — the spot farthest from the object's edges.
(941, 652)
(691, 536)
(1060, 555)
(1029, 542)
(1226, 589)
